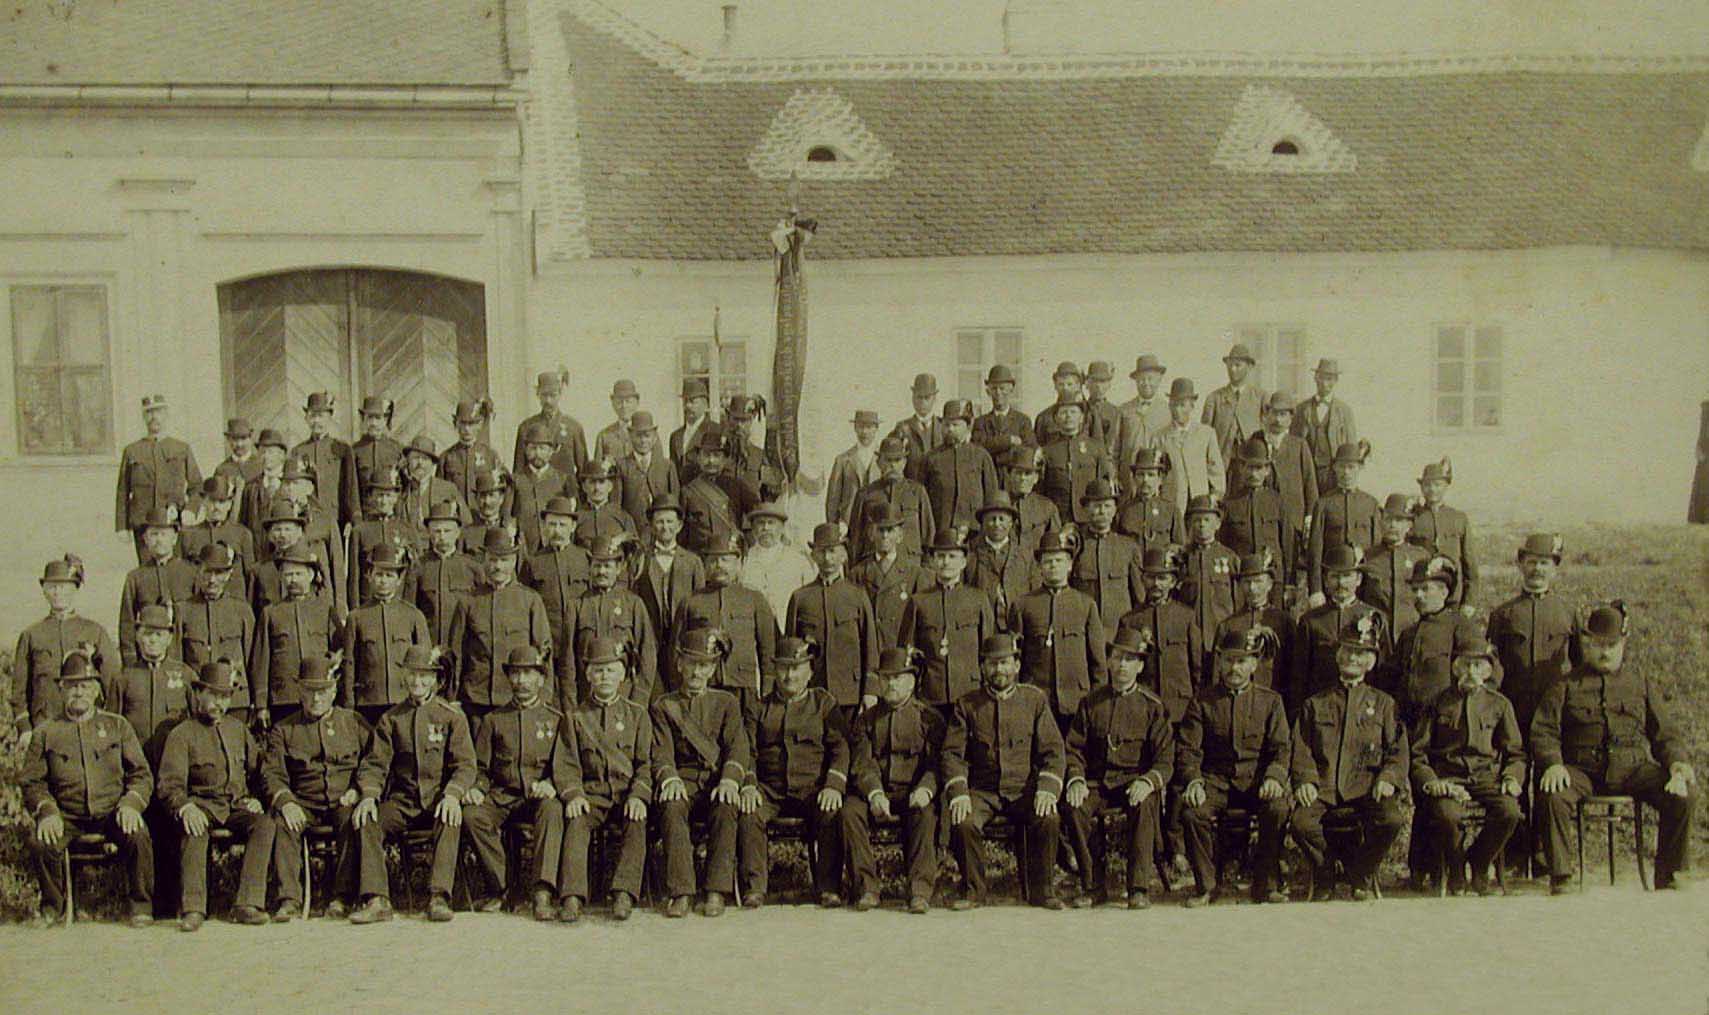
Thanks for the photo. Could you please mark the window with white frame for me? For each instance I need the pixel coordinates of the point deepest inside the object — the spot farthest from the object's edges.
(723, 365)
(1281, 353)
(1467, 380)
(62, 375)
(977, 350)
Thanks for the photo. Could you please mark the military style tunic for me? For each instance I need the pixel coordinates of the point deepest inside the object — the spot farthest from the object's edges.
(211, 629)
(437, 584)
(1004, 573)
(1343, 518)
(155, 473)
(800, 746)
(1152, 520)
(910, 500)
(1234, 740)
(160, 582)
(699, 739)
(711, 506)
(889, 585)
(1070, 465)
(1062, 645)
(746, 617)
(946, 627)
(1272, 671)
(617, 613)
(838, 616)
(1117, 738)
(998, 432)
(267, 586)
(369, 457)
(417, 500)
(1346, 740)
(461, 463)
(1422, 664)
(639, 483)
(560, 576)
(516, 747)
(1530, 634)
(1447, 531)
(1177, 652)
(1038, 516)
(1005, 745)
(484, 628)
(85, 769)
(613, 441)
(959, 479)
(572, 442)
(210, 764)
(1607, 725)
(41, 650)
(374, 641)
(153, 696)
(1385, 583)
(1253, 521)
(897, 750)
(1107, 568)
(193, 540)
(614, 742)
(531, 490)
(367, 535)
(333, 466)
(1472, 739)
(1207, 585)
(1313, 667)
(420, 753)
(288, 633)
(312, 762)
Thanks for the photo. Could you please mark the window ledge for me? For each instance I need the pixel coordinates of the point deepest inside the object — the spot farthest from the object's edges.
(66, 462)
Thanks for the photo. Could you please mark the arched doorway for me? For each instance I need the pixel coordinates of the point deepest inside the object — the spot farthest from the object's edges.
(418, 339)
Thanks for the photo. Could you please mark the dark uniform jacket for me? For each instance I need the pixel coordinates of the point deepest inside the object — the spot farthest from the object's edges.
(1062, 645)
(1471, 739)
(461, 463)
(1070, 465)
(374, 642)
(85, 769)
(946, 627)
(155, 473)
(419, 754)
(889, 586)
(415, 502)
(516, 747)
(639, 484)
(1313, 668)
(1177, 652)
(1346, 740)
(484, 628)
(1385, 584)
(312, 762)
(800, 746)
(1272, 671)
(560, 577)
(617, 613)
(1254, 520)
(1006, 745)
(1447, 531)
(1530, 635)
(252, 503)
(959, 479)
(992, 431)
(437, 584)
(572, 442)
(682, 444)
(1293, 475)
(1234, 740)
(921, 437)
(603, 521)
(41, 649)
(267, 586)
(1004, 575)
(210, 629)
(1605, 725)
(370, 456)
(713, 505)
(747, 618)
(364, 537)
(1152, 520)
(910, 500)
(192, 540)
(897, 750)
(287, 633)
(1038, 516)
(215, 765)
(839, 617)
(531, 492)
(475, 533)
(332, 464)
(153, 698)
(1421, 669)
(1117, 738)
(699, 739)
(1207, 585)
(614, 744)
(156, 583)
(1343, 518)
(1107, 568)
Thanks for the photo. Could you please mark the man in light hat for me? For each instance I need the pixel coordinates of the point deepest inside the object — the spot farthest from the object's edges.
(526, 758)
(156, 472)
(601, 515)
(1233, 751)
(717, 500)
(1445, 530)
(1037, 514)
(999, 565)
(375, 453)
(241, 462)
(327, 456)
(212, 624)
(1005, 427)
(897, 748)
(801, 769)
(1345, 516)
(1072, 462)
(1467, 747)
(502, 614)
(443, 574)
(958, 476)
(1293, 475)
(1003, 754)
(771, 566)
(1253, 518)
(219, 524)
(309, 777)
(614, 745)
(945, 624)
(1350, 756)
(1061, 634)
(700, 758)
(1532, 631)
(1107, 564)
(537, 482)
(1314, 666)
(209, 778)
(1325, 422)
(696, 417)
(1207, 569)
(852, 470)
(1195, 460)
(380, 527)
(921, 433)
(1177, 647)
(1142, 416)
(1388, 563)
(834, 614)
(43, 646)
(646, 472)
(375, 638)
(892, 490)
(161, 577)
(1233, 410)
(423, 487)
(470, 455)
(889, 574)
(614, 441)
(609, 609)
(84, 771)
(742, 615)
(416, 774)
(296, 627)
(1606, 729)
(1070, 384)
(1148, 515)
(1121, 753)
(571, 442)
(1257, 577)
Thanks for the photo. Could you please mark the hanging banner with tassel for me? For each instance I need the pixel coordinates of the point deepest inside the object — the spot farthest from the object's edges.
(789, 358)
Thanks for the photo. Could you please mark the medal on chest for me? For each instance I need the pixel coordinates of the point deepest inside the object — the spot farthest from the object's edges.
(943, 647)
(542, 730)
(174, 682)
(1049, 637)
(435, 733)
(101, 731)
(1221, 566)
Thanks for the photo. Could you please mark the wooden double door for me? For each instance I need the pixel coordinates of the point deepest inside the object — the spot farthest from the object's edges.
(417, 339)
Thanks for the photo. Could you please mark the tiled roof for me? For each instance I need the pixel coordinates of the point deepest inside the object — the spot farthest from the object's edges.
(1118, 161)
(282, 42)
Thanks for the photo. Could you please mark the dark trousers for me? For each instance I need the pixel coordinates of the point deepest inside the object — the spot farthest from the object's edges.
(578, 849)
(1040, 836)
(165, 831)
(1380, 822)
(678, 843)
(136, 849)
(1199, 824)
(288, 853)
(826, 831)
(919, 835)
(544, 820)
(1643, 782)
(394, 818)
(1441, 823)
(1140, 830)
(257, 831)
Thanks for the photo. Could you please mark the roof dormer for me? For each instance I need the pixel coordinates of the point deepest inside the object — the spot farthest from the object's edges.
(817, 135)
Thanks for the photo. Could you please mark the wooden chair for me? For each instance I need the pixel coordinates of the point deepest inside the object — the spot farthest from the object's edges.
(1472, 818)
(1612, 811)
(88, 848)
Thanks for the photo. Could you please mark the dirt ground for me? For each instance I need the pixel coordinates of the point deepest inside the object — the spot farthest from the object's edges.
(1610, 950)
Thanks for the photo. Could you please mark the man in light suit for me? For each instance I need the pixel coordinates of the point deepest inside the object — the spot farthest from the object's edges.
(852, 470)
(1195, 462)
(696, 405)
(1142, 417)
(922, 433)
(1325, 422)
(1233, 410)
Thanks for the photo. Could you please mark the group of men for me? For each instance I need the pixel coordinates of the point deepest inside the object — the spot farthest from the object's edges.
(1047, 622)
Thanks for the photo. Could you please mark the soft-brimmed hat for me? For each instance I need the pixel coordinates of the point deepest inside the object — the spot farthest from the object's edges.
(472, 411)
(1248, 642)
(606, 650)
(444, 511)
(999, 646)
(694, 387)
(1098, 489)
(957, 408)
(1067, 368)
(1147, 363)
(385, 479)
(1022, 458)
(1352, 454)
(1254, 564)
(1279, 401)
(925, 384)
(770, 509)
(421, 658)
(1399, 505)
(217, 677)
(1054, 542)
(300, 468)
(998, 502)
(1362, 632)
(525, 657)
(299, 555)
(826, 535)
(892, 448)
(1133, 641)
(280, 511)
(540, 432)
(388, 557)
(949, 539)
(711, 440)
(488, 481)
(77, 666)
(1328, 367)
(794, 651)
(596, 469)
(319, 401)
(707, 642)
(1203, 504)
(1100, 370)
(153, 402)
(1607, 621)
(664, 502)
(739, 409)
(219, 486)
(999, 374)
(238, 427)
(889, 517)
(607, 547)
(1181, 389)
(892, 661)
(314, 673)
(1443, 470)
(374, 405)
(1254, 452)
(1542, 544)
(1239, 351)
(68, 569)
(549, 383)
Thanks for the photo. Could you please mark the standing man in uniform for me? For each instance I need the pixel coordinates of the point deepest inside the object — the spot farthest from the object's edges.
(601, 515)
(645, 473)
(559, 573)
(945, 625)
(423, 487)
(1037, 514)
(1257, 579)
(1177, 648)
(1293, 475)
(376, 637)
(893, 490)
(744, 619)
(1233, 410)
(1005, 427)
(853, 470)
(1000, 566)
(161, 577)
(536, 482)
(375, 453)
(610, 610)
(1345, 516)
(1072, 462)
(1254, 518)
(1207, 569)
(218, 525)
(1148, 515)
(470, 455)
(1195, 461)
(155, 473)
(1531, 632)
(1069, 383)
(241, 462)
(571, 442)
(444, 575)
(489, 512)
(613, 441)
(1384, 573)
(213, 625)
(380, 527)
(664, 576)
(503, 614)
(1325, 422)
(43, 646)
(328, 457)
(1061, 634)
(1315, 667)
(1107, 564)
(834, 614)
(890, 575)
(716, 502)
(614, 745)
(1445, 530)
(287, 632)
(1103, 419)
(959, 476)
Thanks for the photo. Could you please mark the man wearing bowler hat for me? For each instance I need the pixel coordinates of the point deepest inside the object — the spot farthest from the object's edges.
(1345, 516)
(1253, 517)
(613, 440)
(84, 771)
(944, 624)
(1257, 576)
(834, 613)
(503, 614)
(664, 575)
(443, 574)
(490, 511)
(1103, 418)
(219, 524)
(241, 462)
(255, 493)
(1195, 460)
(537, 482)
(375, 453)
(298, 626)
(1177, 651)
(328, 457)
(1293, 475)
(161, 577)
(1389, 563)
(559, 572)
(1144, 415)
(999, 565)
(959, 476)
(380, 527)
(614, 745)
(469, 456)
(1061, 634)
(423, 487)
(571, 443)
(893, 491)
(1070, 385)
(291, 518)
(376, 637)
(1072, 462)
(1319, 631)
(889, 574)
(1107, 564)
(1005, 427)
(1149, 515)
(852, 470)
(1208, 569)
(153, 694)
(156, 472)
(646, 472)
(1325, 422)
(611, 610)
(212, 624)
(1445, 530)
(921, 433)
(747, 625)
(43, 646)
(601, 514)
(1532, 631)
(718, 500)
(1233, 410)
(696, 418)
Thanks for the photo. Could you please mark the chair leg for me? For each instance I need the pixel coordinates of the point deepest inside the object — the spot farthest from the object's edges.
(1638, 835)
(308, 879)
(1611, 822)
(70, 887)
(1578, 818)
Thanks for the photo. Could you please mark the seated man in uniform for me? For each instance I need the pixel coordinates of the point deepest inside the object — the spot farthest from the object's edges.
(1121, 751)
(700, 757)
(1004, 754)
(1349, 758)
(309, 773)
(614, 742)
(801, 766)
(85, 772)
(897, 747)
(1232, 751)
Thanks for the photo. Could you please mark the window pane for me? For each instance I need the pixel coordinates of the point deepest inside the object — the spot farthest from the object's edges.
(1486, 410)
(40, 415)
(1487, 376)
(1451, 343)
(1489, 342)
(1450, 377)
(1253, 337)
(32, 326)
(1450, 412)
(1008, 343)
(86, 409)
(693, 361)
(1288, 346)
(729, 387)
(83, 326)
(969, 385)
(969, 348)
(733, 359)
